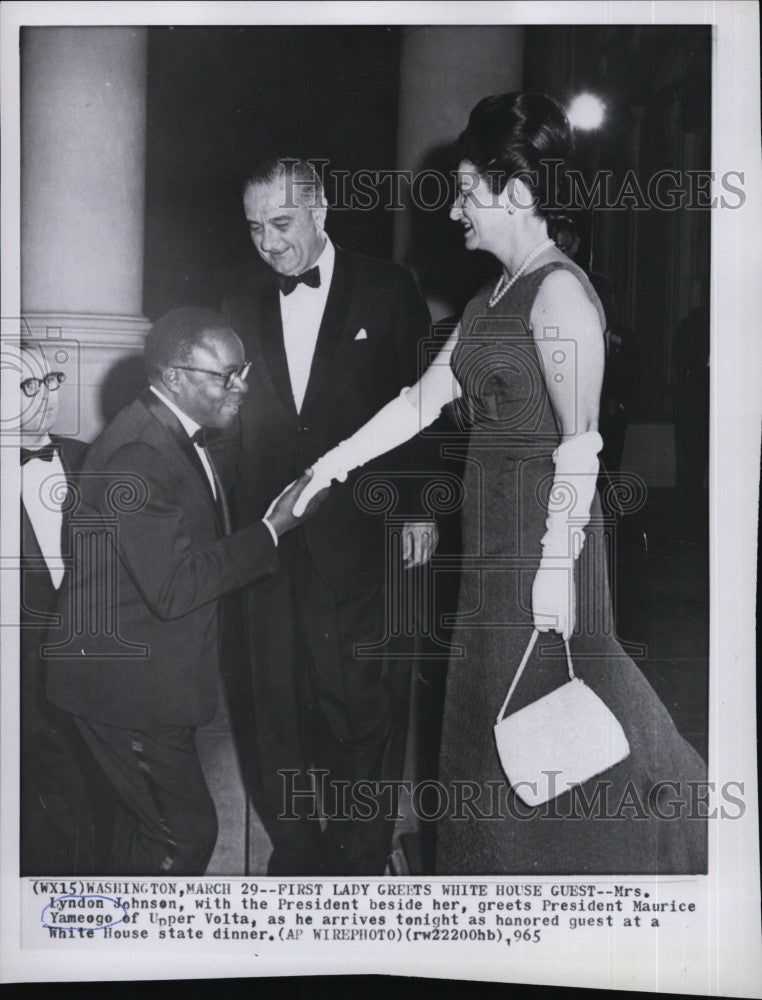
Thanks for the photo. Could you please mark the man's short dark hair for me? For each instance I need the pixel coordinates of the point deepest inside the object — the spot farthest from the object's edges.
(175, 334)
(305, 186)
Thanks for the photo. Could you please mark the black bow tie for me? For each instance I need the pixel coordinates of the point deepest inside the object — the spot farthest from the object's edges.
(288, 282)
(45, 454)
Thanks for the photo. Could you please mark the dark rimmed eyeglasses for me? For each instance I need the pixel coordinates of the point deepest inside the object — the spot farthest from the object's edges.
(51, 381)
(229, 377)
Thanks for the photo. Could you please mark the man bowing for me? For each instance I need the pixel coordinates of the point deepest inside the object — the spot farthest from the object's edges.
(136, 662)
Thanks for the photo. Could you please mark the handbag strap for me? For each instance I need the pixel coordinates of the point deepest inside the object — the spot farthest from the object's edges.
(524, 661)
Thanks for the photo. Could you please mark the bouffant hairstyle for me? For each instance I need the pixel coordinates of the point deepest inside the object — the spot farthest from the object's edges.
(526, 136)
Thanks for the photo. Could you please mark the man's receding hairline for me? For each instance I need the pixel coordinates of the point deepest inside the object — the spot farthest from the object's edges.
(300, 198)
(299, 186)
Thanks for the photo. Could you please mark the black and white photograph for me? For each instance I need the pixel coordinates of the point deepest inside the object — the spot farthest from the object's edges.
(380, 450)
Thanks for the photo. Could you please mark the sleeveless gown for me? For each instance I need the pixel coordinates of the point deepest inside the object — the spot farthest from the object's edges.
(613, 823)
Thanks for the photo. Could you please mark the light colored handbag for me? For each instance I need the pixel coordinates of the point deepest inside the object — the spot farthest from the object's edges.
(558, 741)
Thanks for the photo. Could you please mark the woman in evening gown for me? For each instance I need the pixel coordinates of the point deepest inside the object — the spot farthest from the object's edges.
(527, 363)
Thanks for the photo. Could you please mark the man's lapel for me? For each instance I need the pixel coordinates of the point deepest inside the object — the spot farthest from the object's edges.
(30, 547)
(273, 347)
(332, 327)
(42, 590)
(38, 595)
(170, 422)
(70, 466)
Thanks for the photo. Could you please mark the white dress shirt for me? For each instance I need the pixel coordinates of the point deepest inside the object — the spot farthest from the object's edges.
(43, 494)
(301, 313)
(191, 427)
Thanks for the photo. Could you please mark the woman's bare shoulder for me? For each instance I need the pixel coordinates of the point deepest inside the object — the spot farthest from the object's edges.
(565, 296)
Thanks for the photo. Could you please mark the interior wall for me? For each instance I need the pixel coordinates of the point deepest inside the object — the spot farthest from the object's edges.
(220, 97)
(656, 84)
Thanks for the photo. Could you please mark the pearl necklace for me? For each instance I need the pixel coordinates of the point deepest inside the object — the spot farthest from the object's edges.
(504, 283)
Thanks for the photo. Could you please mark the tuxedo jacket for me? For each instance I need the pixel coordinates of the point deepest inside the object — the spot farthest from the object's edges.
(161, 566)
(366, 352)
(39, 596)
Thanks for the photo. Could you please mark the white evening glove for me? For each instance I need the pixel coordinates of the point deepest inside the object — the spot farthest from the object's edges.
(393, 425)
(553, 592)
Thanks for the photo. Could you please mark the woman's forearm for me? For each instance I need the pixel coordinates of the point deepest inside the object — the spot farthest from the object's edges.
(400, 420)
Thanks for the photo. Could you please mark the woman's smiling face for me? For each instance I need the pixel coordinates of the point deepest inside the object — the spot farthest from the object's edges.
(481, 212)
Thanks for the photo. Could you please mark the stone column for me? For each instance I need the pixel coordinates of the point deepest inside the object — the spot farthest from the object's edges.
(444, 71)
(83, 120)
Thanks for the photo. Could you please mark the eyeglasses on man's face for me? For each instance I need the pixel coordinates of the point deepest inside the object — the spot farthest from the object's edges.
(229, 377)
(51, 381)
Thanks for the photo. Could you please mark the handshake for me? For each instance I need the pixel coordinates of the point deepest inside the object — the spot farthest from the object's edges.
(298, 501)
(301, 498)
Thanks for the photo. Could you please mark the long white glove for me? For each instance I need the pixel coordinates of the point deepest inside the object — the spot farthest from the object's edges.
(553, 592)
(395, 423)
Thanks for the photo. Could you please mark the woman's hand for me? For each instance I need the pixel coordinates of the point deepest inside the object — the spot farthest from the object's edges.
(553, 597)
(320, 479)
(281, 514)
(400, 420)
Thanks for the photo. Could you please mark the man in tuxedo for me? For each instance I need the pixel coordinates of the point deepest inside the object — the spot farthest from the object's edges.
(333, 336)
(139, 674)
(62, 829)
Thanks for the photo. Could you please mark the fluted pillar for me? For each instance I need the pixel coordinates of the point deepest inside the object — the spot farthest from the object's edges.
(83, 120)
(444, 71)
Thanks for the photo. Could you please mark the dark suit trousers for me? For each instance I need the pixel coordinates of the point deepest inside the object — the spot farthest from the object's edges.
(317, 705)
(65, 814)
(167, 824)
(65, 820)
